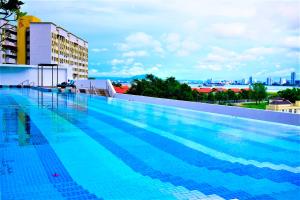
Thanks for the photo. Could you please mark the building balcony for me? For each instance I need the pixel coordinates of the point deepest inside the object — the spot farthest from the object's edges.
(10, 53)
(12, 37)
(9, 43)
(10, 60)
(10, 28)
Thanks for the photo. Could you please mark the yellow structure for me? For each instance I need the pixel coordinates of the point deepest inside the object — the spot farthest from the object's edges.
(282, 105)
(23, 25)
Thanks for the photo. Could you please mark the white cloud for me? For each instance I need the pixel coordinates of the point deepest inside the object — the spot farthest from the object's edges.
(172, 41)
(122, 61)
(139, 44)
(140, 53)
(292, 42)
(181, 46)
(259, 51)
(279, 73)
(229, 29)
(93, 71)
(117, 61)
(224, 59)
(285, 71)
(95, 63)
(221, 55)
(294, 55)
(188, 46)
(213, 67)
(215, 58)
(140, 40)
(97, 50)
(130, 70)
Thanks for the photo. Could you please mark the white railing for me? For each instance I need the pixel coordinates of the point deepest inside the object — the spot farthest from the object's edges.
(110, 88)
(96, 84)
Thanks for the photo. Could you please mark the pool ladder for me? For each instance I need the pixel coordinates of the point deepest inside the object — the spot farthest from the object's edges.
(26, 81)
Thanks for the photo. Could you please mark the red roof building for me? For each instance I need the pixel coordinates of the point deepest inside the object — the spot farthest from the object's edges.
(123, 89)
(203, 90)
(209, 90)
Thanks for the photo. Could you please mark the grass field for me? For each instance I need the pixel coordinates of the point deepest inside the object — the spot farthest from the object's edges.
(254, 105)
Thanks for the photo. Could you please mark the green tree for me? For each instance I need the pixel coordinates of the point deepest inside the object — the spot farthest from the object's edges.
(231, 95)
(157, 87)
(202, 97)
(211, 97)
(185, 92)
(9, 12)
(290, 94)
(219, 96)
(258, 92)
(224, 97)
(245, 94)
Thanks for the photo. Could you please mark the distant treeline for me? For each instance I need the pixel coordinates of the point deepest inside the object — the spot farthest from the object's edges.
(170, 88)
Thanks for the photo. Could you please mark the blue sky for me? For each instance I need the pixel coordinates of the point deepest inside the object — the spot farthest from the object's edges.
(188, 39)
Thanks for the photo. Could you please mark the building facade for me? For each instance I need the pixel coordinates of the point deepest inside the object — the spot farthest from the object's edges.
(282, 81)
(283, 105)
(250, 80)
(269, 81)
(8, 51)
(50, 43)
(293, 78)
(34, 42)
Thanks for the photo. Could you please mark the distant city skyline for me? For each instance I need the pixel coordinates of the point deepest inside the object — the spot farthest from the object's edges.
(187, 39)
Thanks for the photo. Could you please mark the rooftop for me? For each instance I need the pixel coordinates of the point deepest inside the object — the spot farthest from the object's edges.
(60, 28)
(280, 101)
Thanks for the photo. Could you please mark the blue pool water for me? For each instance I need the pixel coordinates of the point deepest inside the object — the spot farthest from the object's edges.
(65, 146)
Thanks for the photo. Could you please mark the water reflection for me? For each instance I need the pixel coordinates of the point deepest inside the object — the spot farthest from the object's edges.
(59, 100)
(23, 128)
(15, 126)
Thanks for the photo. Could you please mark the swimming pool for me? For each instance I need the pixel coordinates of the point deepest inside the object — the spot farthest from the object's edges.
(66, 146)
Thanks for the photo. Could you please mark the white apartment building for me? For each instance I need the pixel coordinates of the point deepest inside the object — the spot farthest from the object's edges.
(8, 47)
(34, 42)
(49, 43)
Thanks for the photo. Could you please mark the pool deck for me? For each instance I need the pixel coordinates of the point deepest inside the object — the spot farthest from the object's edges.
(256, 114)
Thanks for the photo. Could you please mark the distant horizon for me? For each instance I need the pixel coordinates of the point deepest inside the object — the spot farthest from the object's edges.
(246, 78)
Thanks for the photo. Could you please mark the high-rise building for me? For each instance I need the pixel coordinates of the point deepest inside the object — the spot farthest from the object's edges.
(8, 51)
(34, 42)
(269, 81)
(293, 78)
(282, 81)
(243, 81)
(209, 81)
(250, 80)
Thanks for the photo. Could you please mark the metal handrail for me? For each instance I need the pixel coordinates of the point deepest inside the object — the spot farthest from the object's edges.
(22, 83)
